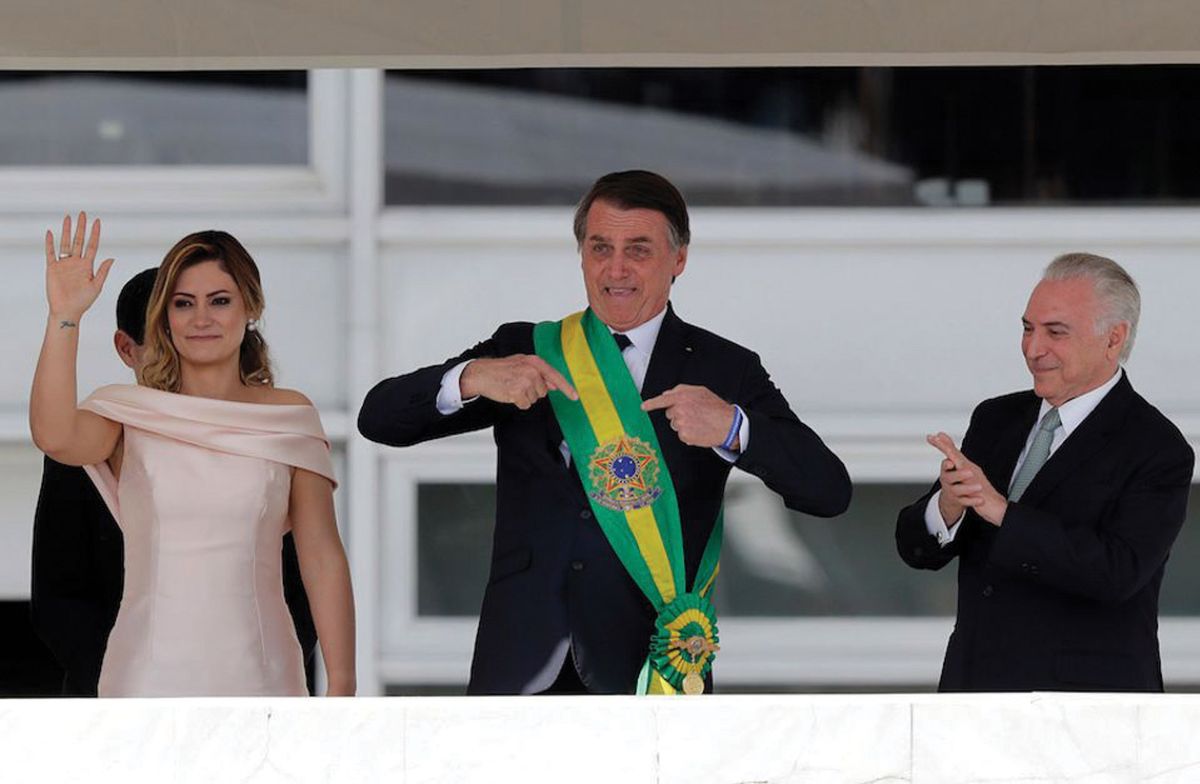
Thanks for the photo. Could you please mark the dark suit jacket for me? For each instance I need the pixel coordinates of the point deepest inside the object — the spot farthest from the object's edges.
(78, 574)
(1064, 594)
(553, 574)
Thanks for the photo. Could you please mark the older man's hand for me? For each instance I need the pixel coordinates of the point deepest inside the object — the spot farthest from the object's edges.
(521, 379)
(965, 486)
(696, 414)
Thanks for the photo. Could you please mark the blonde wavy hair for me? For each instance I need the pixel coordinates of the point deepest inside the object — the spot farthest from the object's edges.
(161, 369)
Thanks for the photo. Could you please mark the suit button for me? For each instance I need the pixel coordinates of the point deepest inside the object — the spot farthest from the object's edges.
(1024, 567)
(987, 590)
(577, 566)
(586, 514)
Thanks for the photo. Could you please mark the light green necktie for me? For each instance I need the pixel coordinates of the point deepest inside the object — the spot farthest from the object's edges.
(1039, 452)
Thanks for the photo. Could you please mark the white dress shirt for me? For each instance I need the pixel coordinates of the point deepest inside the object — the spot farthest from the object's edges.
(1071, 415)
(637, 358)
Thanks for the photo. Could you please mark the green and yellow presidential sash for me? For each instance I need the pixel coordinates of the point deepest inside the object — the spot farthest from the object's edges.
(616, 453)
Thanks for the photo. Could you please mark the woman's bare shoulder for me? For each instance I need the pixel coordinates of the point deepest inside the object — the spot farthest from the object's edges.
(282, 397)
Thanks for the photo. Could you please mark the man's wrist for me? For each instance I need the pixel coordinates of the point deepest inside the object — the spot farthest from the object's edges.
(449, 396)
(950, 516)
(732, 440)
(464, 382)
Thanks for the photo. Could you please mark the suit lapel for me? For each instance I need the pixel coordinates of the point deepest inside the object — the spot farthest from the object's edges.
(668, 358)
(1008, 445)
(667, 363)
(554, 434)
(1091, 436)
(551, 429)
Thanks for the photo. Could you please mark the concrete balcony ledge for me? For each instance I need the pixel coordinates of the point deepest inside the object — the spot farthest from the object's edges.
(924, 739)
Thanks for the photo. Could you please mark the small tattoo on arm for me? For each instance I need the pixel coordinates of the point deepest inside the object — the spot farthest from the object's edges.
(64, 324)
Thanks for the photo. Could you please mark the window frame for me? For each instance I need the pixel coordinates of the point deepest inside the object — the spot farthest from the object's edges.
(319, 185)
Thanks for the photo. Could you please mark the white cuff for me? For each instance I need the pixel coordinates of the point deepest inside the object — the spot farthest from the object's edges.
(449, 399)
(936, 526)
(728, 455)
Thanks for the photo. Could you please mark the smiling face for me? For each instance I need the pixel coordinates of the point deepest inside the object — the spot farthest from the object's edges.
(628, 264)
(1063, 349)
(207, 315)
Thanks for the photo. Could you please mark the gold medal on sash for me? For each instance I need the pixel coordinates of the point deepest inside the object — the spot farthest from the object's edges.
(693, 683)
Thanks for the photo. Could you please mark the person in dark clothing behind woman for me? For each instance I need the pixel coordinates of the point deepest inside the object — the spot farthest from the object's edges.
(78, 556)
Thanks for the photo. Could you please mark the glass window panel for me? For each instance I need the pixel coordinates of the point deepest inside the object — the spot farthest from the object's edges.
(799, 136)
(153, 119)
(454, 546)
(1180, 594)
(780, 563)
(776, 563)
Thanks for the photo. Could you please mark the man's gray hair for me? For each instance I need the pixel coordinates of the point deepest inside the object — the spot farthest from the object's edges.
(1114, 287)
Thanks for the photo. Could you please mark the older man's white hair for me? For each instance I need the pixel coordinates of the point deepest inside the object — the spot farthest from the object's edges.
(1114, 287)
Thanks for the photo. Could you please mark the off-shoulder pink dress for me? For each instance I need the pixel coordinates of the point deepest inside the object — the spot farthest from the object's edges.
(202, 501)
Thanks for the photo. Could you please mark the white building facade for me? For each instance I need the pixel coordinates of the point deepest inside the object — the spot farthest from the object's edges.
(880, 324)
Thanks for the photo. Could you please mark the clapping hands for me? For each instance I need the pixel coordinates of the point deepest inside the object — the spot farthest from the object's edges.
(965, 486)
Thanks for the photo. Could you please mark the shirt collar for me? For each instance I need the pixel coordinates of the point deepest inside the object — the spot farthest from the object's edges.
(1074, 411)
(645, 335)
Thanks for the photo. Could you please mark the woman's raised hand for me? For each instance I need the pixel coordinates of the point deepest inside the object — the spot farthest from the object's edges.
(72, 280)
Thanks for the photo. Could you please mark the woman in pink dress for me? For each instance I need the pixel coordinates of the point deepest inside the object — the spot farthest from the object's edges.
(205, 464)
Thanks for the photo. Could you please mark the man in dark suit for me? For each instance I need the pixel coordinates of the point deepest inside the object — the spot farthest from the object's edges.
(78, 550)
(560, 613)
(1059, 569)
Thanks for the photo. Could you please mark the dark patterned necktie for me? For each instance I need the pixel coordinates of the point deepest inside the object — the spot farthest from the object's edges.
(623, 341)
